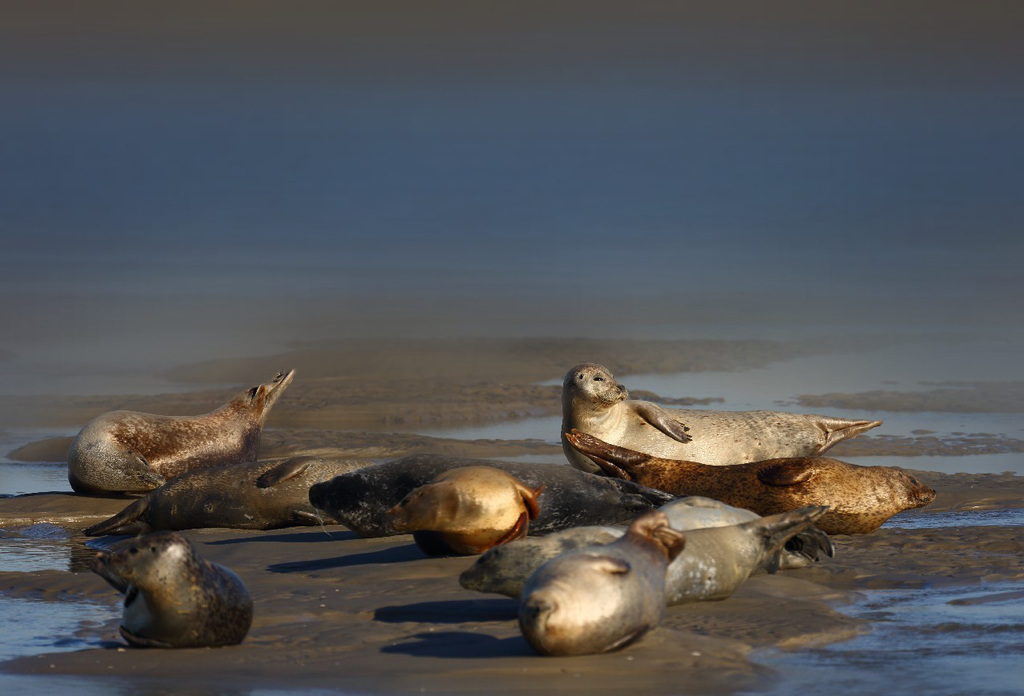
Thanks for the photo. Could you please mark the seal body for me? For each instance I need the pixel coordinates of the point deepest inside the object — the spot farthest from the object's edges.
(859, 498)
(174, 598)
(601, 598)
(714, 563)
(593, 402)
(467, 510)
(360, 499)
(252, 495)
(132, 452)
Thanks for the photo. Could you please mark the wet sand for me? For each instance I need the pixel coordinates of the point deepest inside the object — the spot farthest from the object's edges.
(376, 615)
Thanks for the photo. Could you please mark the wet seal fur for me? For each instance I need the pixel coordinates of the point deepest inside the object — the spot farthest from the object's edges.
(859, 498)
(595, 403)
(253, 495)
(172, 597)
(465, 511)
(360, 499)
(715, 562)
(133, 452)
(601, 598)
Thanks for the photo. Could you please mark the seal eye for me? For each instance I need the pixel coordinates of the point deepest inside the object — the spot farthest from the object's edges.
(598, 379)
(133, 550)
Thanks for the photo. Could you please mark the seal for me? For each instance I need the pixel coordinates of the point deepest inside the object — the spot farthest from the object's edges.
(360, 499)
(715, 562)
(859, 498)
(172, 597)
(253, 495)
(132, 452)
(595, 403)
(601, 598)
(465, 511)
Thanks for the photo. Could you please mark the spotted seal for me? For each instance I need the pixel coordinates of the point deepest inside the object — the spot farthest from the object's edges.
(595, 403)
(172, 597)
(360, 499)
(601, 598)
(132, 452)
(467, 510)
(715, 562)
(252, 495)
(859, 498)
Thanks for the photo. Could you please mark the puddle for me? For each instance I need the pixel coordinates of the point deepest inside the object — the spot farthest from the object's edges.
(32, 627)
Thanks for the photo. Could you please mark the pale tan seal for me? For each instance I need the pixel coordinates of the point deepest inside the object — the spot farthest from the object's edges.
(593, 402)
(467, 510)
(715, 562)
(172, 597)
(132, 452)
(252, 495)
(859, 498)
(601, 598)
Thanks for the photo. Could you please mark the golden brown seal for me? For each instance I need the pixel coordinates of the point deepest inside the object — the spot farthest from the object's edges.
(132, 452)
(593, 402)
(859, 498)
(467, 510)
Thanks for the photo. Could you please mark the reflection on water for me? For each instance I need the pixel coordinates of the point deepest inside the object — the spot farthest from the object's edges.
(936, 641)
(19, 478)
(32, 627)
(918, 519)
(35, 548)
(114, 686)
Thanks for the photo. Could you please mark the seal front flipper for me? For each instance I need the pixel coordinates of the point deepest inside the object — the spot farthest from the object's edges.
(664, 421)
(787, 472)
(287, 469)
(140, 641)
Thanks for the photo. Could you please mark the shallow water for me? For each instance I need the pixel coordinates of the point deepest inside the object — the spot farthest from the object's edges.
(937, 641)
(30, 627)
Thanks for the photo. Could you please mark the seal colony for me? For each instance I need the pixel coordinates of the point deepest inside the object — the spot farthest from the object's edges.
(593, 402)
(859, 498)
(587, 588)
(132, 452)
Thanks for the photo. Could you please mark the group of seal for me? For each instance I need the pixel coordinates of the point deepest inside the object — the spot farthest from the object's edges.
(587, 587)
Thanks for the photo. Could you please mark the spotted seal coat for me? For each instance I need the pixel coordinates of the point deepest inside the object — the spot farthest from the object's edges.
(859, 498)
(133, 452)
(595, 403)
(360, 499)
(252, 495)
(601, 598)
(172, 597)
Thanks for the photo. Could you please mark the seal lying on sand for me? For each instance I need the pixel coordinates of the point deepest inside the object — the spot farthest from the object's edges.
(466, 511)
(715, 562)
(173, 598)
(360, 499)
(253, 495)
(132, 452)
(601, 598)
(594, 403)
(859, 498)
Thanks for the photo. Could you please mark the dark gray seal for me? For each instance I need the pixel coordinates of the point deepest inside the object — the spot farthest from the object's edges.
(172, 597)
(601, 598)
(253, 495)
(595, 403)
(360, 499)
(132, 452)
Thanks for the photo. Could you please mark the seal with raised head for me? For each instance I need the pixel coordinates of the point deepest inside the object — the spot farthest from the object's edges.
(133, 452)
(859, 498)
(172, 597)
(465, 511)
(360, 499)
(595, 403)
(715, 562)
(253, 495)
(601, 598)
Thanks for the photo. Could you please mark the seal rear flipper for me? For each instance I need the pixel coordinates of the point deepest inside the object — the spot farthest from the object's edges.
(284, 471)
(838, 429)
(529, 496)
(518, 531)
(142, 642)
(776, 530)
(615, 461)
(128, 521)
(805, 548)
(664, 421)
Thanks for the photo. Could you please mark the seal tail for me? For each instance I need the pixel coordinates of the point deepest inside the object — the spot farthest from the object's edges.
(128, 521)
(777, 530)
